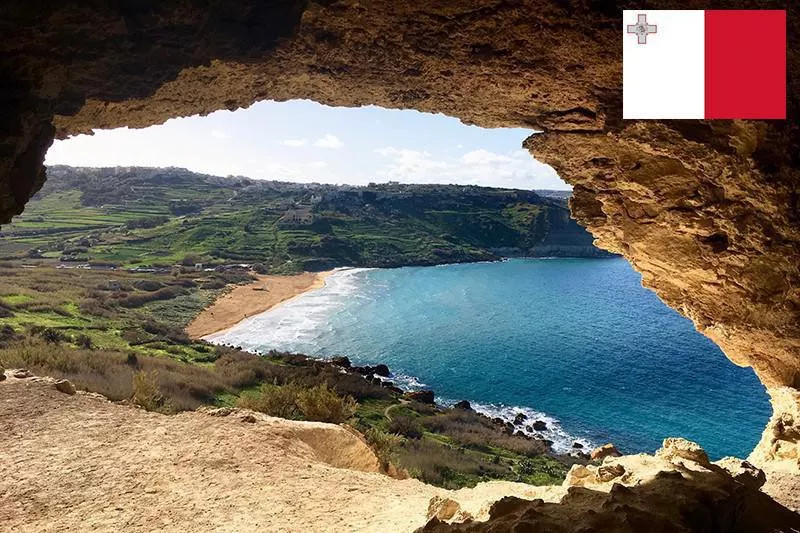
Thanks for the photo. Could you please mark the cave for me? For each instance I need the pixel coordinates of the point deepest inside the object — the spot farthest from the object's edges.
(708, 212)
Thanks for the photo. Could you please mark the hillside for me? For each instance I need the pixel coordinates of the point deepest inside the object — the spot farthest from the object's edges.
(161, 216)
(77, 462)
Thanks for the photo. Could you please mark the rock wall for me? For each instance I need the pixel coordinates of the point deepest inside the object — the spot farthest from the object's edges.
(707, 212)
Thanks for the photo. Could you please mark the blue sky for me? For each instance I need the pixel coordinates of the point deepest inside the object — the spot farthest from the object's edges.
(305, 141)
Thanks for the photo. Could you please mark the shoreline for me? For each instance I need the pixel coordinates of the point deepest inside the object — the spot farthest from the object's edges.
(245, 301)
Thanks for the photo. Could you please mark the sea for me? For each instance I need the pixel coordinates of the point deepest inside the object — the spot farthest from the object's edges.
(576, 343)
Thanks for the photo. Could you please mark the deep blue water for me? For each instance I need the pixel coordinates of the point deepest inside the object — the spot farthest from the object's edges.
(576, 342)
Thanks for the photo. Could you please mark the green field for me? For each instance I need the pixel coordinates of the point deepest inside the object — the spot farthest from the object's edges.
(142, 216)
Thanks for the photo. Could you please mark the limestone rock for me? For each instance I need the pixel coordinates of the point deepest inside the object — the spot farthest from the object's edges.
(608, 472)
(606, 450)
(679, 448)
(443, 508)
(22, 374)
(743, 472)
(422, 396)
(65, 386)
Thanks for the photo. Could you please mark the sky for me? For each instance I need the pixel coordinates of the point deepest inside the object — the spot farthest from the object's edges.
(304, 141)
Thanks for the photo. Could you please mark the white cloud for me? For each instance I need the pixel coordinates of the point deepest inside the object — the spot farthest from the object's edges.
(293, 143)
(478, 167)
(219, 134)
(329, 141)
(318, 164)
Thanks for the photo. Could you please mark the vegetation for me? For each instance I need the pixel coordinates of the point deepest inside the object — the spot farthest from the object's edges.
(162, 217)
(100, 279)
(319, 403)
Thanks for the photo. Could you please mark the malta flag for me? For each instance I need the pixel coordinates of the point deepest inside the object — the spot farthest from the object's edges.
(710, 64)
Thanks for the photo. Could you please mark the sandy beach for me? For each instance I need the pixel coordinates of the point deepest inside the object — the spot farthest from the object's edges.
(247, 300)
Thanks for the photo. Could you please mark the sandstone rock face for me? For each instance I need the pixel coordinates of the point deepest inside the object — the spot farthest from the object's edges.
(743, 472)
(668, 492)
(606, 450)
(709, 213)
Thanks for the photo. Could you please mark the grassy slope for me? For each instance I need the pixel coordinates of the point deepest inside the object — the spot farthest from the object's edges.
(65, 323)
(159, 216)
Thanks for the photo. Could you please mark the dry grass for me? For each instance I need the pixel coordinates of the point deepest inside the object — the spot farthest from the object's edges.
(471, 429)
(319, 403)
(445, 466)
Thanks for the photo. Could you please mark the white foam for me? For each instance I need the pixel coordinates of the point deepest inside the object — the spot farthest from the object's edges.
(301, 319)
(562, 441)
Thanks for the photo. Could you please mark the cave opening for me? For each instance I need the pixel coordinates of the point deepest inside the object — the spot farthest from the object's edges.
(705, 212)
(305, 142)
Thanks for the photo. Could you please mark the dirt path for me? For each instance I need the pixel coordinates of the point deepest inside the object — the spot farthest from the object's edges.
(79, 463)
(390, 408)
(247, 300)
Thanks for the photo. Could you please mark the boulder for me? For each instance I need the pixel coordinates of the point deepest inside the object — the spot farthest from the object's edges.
(381, 370)
(577, 445)
(65, 386)
(343, 362)
(679, 448)
(422, 396)
(443, 508)
(520, 418)
(463, 404)
(743, 472)
(540, 425)
(2, 373)
(606, 450)
(22, 374)
(578, 476)
(610, 472)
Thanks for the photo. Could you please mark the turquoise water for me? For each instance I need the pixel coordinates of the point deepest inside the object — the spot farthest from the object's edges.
(576, 342)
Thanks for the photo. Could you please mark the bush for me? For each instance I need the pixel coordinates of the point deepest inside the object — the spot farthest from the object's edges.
(444, 466)
(383, 444)
(83, 340)
(274, 401)
(319, 403)
(146, 392)
(405, 426)
(138, 300)
(52, 335)
(322, 404)
(147, 285)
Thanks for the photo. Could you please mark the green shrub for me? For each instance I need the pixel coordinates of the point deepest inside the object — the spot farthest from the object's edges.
(146, 392)
(319, 403)
(274, 401)
(83, 341)
(52, 335)
(405, 426)
(383, 444)
(323, 404)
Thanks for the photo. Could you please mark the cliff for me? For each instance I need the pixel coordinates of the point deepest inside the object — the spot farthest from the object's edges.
(78, 460)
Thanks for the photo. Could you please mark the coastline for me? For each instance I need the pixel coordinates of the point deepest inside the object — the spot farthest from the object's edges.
(245, 301)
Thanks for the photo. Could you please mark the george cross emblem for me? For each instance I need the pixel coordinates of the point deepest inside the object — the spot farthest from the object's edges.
(642, 29)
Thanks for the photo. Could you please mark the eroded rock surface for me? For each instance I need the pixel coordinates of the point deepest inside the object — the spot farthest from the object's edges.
(709, 213)
(677, 490)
